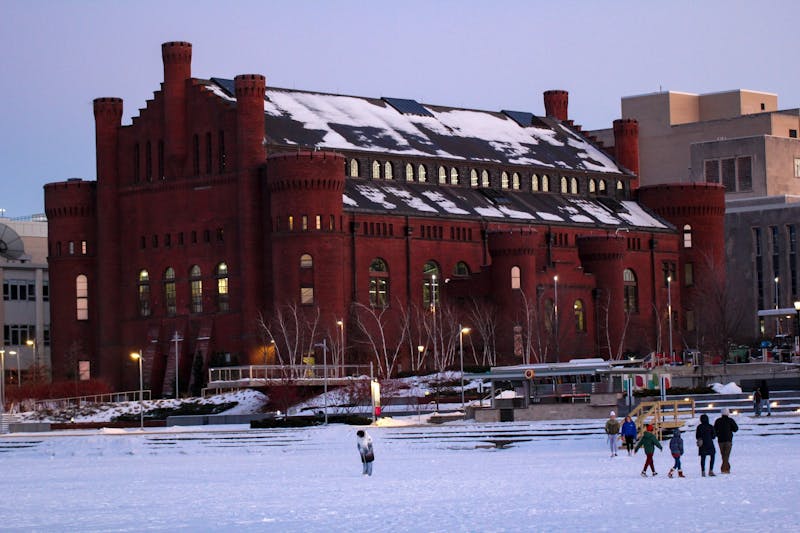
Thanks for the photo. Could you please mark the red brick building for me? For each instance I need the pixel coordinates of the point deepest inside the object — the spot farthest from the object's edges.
(258, 222)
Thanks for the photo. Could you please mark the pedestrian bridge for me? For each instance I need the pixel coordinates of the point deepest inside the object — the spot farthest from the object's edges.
(238, 377)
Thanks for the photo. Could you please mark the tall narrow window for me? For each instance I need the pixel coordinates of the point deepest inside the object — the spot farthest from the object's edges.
(687, 236)
(422, 174)
(136, 163)
(535, 183)
(378, 283)
(461, 269)
(430, 284)
(454, 177)
(209, 154)
(409, 172)
(545, 183)
(573, 185)
(306, 279)
(161, 172)
(196, 289)
(515, 181)
(601, 186)
(473, 178)
(306, 261)
(148, 162)
(223, 301)
(221, 152)
(442, 175)
(516, 277)
(170, 299)
(711, 171)
(688, 274)
(504, 180)
(144, 293)
(631, 291)
(484, 178)
(729, 174)
(564, 185)
(580, 316)
(354, 168)
(376, 170)
(388, 170)
(196, 154)
(592, 186)
(82, 297)
(744, 173)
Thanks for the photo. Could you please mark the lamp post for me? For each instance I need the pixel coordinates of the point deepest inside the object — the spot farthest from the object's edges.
(797, 328)
(669, 313)
(19, 370)
(433, 310)
(555, 314)
(777, 318)
(32, 344)
(340, 323)
(2, 381)
(420, 351)
(324, 345)
(137, 356)
(461, 332)
(177, 339)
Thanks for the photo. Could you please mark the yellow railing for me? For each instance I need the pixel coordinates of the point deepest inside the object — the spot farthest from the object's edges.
(659, 413)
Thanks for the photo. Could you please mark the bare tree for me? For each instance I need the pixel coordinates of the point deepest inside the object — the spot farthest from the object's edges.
(373, 323)
(483, 318)
(294, 331)
(615, 351)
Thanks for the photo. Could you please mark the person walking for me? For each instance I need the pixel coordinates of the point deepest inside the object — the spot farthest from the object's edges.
(364, 445)
(705, 436)
(612, 432)
(676, 448)
(649, 442)
(757, 401)
(725, 427)
(629, 433)
(765, 397)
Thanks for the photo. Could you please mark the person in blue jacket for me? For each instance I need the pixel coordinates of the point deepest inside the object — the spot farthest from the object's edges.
(676, 448)
(628, 432)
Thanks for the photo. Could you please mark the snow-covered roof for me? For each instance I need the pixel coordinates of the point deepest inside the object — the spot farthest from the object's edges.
(409, 128)
(424, 200)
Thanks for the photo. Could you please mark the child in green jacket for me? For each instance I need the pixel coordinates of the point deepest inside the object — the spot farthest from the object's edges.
(649, 443)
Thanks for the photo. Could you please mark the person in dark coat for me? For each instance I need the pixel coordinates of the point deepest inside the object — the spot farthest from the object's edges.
(705, 436)
(676, 448)
(725, 427)
(364, 444)
(757, 401)
(765, 397)
(629, 433)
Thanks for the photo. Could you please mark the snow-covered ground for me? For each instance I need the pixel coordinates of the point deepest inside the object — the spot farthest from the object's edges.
(426, 478)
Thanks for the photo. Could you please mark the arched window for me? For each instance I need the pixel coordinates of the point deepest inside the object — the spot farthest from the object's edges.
(515, 181)
(378, 283)
(504, 180)
(687, 236)
(442, 175)
(620, 186)
(376, 170)
(631, 296)
(601, 187)
(461, 269)
(430, 284)
(144, 293)
(422, 174)
(484, 178)
(409, 172)
(473, 178)
(564, 185)
(580, 316)
(454, 178)
(592, 186)
(388, 170)
(170, 300)
(573, 185)
(535, 183)
(545, 183)
(82, 297)
(306, 261)
(223, 298)
(354, 168)
(196, 289)
(516, 276)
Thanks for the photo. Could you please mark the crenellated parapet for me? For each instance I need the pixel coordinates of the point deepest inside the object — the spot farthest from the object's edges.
(71, 198)
(626, 144)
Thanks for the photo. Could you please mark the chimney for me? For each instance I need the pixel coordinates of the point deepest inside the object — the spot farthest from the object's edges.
(555, 104)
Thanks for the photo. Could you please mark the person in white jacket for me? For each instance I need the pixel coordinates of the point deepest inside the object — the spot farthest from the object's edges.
(364, 444)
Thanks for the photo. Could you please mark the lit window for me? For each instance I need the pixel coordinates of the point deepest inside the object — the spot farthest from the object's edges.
(442, 175)
(564, 185)
(378, 283)
(353, 168)
(473, 178)
(306, 295)
(430, 284)
(306, 261)
(144, 293)
(223, 299)
(291, 223)
(573, 185)
(83, 248)
(454, 178)
(515, 181)
(409, 172)
(376, 170)
(601, 186)
(535, 183)
(196, 289)
(484, 178)
(515, 277)
(318, 222)
(545, 183)
(620, 185)
(592, 186)
(304, 222)
(82, 297)
(687, 236)
(422, 174)
(580, 318)
(169, 291)
(631, 291)
(388, 170)
(504, 180)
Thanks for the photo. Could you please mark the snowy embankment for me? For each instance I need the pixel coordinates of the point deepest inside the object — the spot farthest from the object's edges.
(426, 479)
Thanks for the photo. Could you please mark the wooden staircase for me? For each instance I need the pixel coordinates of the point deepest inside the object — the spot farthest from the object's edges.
(664, 415)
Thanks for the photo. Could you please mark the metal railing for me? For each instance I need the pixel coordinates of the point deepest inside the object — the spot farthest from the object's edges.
(78, 401)
(250, 373)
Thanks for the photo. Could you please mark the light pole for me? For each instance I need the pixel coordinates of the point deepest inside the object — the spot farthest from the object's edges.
(461, 332)
(797, 328)
(2, 381)
(137, 356)
(669, 313)
(324, 345)
(177, 339)
(32, 344)
(340, 323)
(433, 310)
(777, 318)
(19, 370)
(555, 315)
(420, 350)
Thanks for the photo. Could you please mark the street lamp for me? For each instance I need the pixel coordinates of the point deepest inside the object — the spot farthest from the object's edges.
(669, 313)
(2, 381)
(137, 356)
(777, 318)
(555, 314)
(420, 351)
(797, 328)
(324, 345)
(177, 339)
(340, 323)
(433, 311)
(461, 332)
(19, 370)
(32, 344)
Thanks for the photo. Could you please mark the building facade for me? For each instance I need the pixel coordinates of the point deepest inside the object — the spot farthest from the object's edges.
(25, 311)
(236, 222)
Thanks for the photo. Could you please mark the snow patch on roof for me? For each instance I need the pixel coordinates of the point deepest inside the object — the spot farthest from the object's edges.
(446, 204)
(637, 216)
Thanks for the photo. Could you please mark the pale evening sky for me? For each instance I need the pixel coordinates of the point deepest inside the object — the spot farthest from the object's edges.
(57, 56)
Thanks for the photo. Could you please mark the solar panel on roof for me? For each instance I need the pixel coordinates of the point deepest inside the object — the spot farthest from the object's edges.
(523, 118)
(408, 107)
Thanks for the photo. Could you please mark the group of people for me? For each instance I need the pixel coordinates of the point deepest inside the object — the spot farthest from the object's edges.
(722, 430)
(761, 399)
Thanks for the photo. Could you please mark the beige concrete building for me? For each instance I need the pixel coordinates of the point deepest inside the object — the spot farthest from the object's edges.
(742, 140)
(25, 310)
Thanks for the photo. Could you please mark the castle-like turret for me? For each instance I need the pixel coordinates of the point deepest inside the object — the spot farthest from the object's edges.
(556, 103)
(626, 146)
(177, 58)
